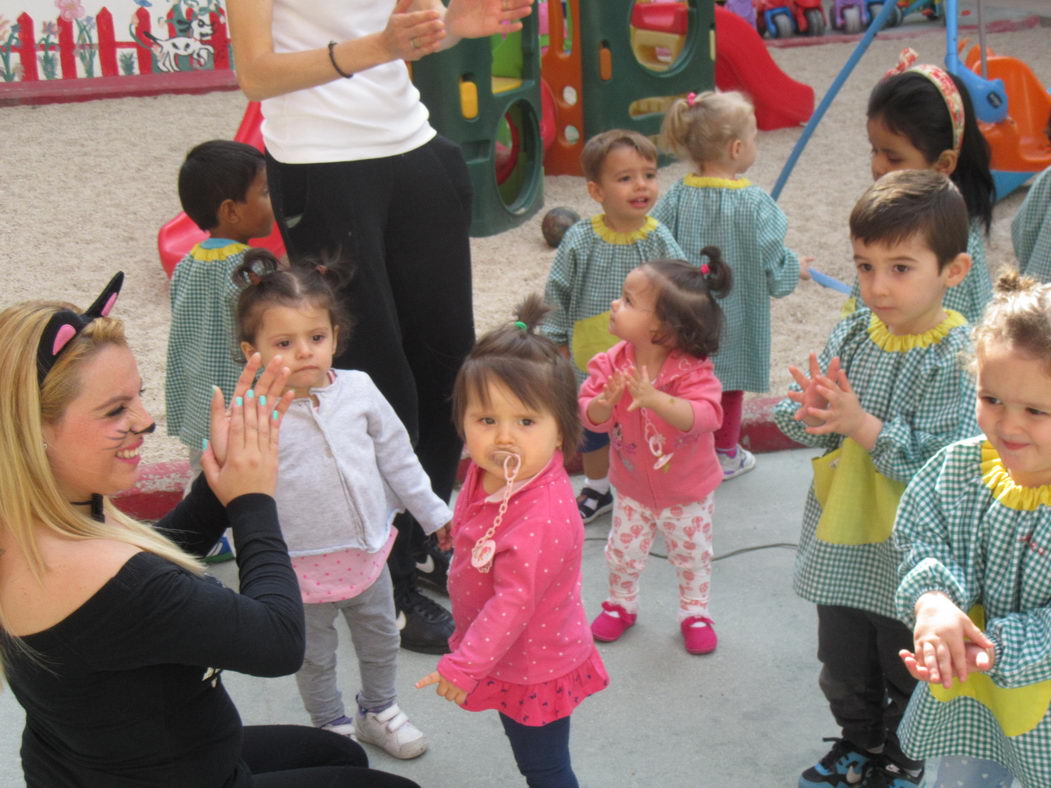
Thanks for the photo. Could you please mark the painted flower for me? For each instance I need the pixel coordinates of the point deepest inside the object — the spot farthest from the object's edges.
(5, 25)
(49, 29)
(88, 24)
(70, 9)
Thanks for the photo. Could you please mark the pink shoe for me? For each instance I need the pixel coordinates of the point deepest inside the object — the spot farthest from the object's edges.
(699, 634)
(611, 623)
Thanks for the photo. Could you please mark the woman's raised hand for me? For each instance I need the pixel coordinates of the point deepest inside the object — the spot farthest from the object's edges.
(410, 35)
(478, 18)
(243, 455)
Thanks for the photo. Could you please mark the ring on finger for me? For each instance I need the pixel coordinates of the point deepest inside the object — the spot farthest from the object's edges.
(415, 44)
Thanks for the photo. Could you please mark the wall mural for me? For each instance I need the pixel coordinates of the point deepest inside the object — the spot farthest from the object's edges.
(62, 40)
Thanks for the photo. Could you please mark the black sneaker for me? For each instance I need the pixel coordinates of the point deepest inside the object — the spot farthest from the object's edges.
(895, 776)
(844, 766)
(592, 504)
(432, 568)
(425, 625)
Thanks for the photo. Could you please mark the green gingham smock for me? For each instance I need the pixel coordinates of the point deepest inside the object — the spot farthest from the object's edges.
(916, 385)
(1031, 230)
(202, 346)
(749, 228)
(967, 530)
(589, 270)
(970, 297)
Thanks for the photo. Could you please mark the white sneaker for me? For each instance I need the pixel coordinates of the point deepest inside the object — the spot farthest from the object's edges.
(391, 730)
(742, 462)
(344, 726)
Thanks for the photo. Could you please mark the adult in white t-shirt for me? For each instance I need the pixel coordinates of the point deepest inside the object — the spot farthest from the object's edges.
(356, 172)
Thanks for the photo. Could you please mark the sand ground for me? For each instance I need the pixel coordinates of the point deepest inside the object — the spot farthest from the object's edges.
(86, 186)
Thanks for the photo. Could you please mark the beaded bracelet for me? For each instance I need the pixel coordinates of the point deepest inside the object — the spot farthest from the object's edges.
(335, 65)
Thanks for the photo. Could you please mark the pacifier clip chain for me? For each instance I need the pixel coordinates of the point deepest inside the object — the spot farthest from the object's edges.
(485, 548)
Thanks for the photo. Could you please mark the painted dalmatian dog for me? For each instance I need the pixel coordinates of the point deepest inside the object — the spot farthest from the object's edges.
(188, 44)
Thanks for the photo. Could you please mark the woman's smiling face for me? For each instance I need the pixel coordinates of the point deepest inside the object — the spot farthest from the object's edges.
(94, 447)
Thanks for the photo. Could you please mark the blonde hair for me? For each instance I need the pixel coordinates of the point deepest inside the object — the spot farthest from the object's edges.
(29, 493)
(1019, 315)
(699, 128)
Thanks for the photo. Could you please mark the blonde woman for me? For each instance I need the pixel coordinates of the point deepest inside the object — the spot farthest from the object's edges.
(113, 639)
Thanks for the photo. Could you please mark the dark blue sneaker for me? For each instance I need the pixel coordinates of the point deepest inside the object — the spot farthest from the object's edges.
(844, 766)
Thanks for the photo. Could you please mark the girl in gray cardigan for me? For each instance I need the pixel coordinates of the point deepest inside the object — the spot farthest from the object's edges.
(347, 467)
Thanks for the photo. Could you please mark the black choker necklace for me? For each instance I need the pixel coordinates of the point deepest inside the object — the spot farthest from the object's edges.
(96, 506)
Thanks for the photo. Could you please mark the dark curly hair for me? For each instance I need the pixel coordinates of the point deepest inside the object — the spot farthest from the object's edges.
(691, 318)
(531, 367)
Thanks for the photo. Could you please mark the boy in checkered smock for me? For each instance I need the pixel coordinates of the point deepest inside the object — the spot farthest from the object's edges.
(886, 393)
(1031, 229)
(975, 529)
(222, 187)
(713, 206)
(593, 259)
(921, 117)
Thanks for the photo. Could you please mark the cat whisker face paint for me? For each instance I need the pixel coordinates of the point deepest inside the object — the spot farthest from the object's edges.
(95, 447)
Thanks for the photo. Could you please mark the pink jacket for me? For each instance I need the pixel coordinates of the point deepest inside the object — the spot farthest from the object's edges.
(523, 622)
(694, 470)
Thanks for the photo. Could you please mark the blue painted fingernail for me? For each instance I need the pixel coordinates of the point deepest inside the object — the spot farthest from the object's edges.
(262, 400)
(275, 415)
(240, 402)
(204, 444)
(250, 393)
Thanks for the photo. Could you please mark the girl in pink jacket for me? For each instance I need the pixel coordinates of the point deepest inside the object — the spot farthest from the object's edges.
(522, 644)
(657, 395)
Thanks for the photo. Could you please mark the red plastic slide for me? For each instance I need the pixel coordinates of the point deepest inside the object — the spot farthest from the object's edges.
(178, 236)
(742, 63)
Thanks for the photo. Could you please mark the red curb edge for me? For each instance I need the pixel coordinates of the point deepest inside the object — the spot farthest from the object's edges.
(59, 91)
(161, 484)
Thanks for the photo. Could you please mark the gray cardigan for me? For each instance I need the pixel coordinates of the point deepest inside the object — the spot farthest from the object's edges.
(347, 467)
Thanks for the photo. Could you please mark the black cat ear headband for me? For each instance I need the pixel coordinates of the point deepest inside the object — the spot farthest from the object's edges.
(64, 325)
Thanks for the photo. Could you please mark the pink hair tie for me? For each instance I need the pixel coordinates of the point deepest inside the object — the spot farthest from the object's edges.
(705, 269)
(940, 78)
(690, 99)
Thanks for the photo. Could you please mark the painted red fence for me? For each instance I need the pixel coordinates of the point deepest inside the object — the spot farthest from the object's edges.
(105, 47)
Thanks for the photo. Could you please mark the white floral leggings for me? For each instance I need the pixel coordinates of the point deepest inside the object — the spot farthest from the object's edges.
(687, 532)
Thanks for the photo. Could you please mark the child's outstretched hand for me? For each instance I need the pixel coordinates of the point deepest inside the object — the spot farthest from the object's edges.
(810, 400)
(942, 635)
(445, 689)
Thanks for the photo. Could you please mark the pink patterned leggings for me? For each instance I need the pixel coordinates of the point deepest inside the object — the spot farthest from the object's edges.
(687, 532)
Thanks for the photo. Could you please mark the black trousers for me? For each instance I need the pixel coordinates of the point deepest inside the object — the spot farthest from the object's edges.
(864, 680)
(295, 756)
(401, 222)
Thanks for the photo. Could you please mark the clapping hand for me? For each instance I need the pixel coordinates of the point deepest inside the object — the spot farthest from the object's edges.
(809, 398)
(639, 385)
(948, 644)
(410, 35)
(480, 18)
